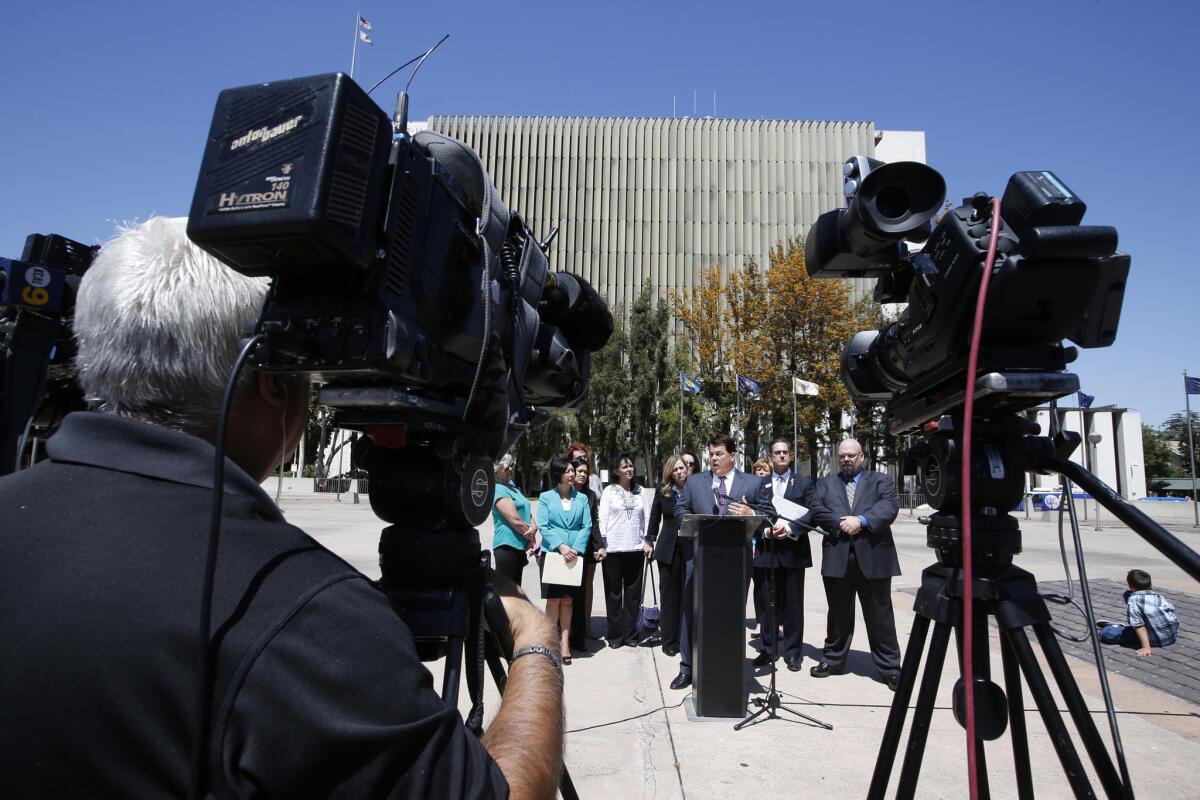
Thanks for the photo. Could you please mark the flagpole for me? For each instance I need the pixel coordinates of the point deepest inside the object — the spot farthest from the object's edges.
(1187, 404)
(680, 451)
(795, 427)
(354, 47)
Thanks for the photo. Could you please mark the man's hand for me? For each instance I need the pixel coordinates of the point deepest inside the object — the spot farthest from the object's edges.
(780, 530)
(850, 526)
(648, 550)
(601, 554)
(567, 553)
(1142, 652)
(740, 509)
(528, 625)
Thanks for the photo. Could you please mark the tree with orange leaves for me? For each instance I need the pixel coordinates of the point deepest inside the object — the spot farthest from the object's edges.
(771, 325)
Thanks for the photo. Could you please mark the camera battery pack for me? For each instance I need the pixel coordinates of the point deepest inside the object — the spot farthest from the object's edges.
(291, 176)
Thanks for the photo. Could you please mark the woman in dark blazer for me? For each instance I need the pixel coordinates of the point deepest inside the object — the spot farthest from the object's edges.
(669, 549)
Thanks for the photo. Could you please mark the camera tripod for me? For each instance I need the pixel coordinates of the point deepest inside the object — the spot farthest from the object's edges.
(1010, 595)
(770, 705)
(436, 573)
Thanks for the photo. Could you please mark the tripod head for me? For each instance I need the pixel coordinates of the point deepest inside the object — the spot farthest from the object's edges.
(1007, 446)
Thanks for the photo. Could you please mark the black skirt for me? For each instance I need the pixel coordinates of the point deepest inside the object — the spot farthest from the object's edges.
(555, 591)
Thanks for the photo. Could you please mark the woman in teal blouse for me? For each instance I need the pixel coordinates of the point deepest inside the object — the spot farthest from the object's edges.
(565, 520)
(513, 528)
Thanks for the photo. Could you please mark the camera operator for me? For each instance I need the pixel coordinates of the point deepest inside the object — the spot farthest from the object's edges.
(317, 688)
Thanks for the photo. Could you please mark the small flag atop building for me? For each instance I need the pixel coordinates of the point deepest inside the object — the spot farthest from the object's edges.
(1085, 399)
(362, 23)
(365, 39)
(805, 387)
(748, 385)
(1191, 385)
(689, 384)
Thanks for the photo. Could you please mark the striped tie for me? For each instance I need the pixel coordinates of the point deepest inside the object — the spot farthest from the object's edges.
(850, 493)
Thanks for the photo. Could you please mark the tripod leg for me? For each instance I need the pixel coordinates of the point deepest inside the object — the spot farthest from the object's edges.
(981, 663)
(1016, 719)
(452, 673)
(1048, 708)
(910, 770)
(895, 723)
(1105, 770)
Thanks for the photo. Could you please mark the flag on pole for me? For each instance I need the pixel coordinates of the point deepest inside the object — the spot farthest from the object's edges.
(689, 384)
(362, 23)
(748, 385)
(1191, 385)
(365, 39)
(805, 387)
(1086, 400)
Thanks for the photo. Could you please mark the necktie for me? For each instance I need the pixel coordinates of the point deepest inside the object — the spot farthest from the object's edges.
(850, 493)
(780, 485)
(722, 496)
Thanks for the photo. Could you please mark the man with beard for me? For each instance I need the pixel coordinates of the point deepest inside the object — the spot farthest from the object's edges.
(856, 508)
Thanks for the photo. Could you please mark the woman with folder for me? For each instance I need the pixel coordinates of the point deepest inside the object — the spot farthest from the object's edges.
(565, 520)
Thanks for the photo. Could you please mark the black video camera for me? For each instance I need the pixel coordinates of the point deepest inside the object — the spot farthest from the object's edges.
(402, 283)
(1052, 279)
(37, 351)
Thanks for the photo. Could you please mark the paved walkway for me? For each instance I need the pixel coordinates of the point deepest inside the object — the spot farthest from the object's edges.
(629, 735)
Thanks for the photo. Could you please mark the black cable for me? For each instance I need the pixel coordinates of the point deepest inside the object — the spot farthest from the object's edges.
(379, 82)
(626, 719)
(423, 57)
(1089, 615)
(203, 688)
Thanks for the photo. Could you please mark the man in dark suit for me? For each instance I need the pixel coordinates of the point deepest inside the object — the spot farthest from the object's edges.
(788, 552)
(719, 490)
(856, 509)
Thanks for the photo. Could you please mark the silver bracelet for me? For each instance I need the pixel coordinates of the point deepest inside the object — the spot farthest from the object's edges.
(537, 648)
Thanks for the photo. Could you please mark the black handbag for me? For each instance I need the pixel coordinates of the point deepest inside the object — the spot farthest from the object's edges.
(648, 616)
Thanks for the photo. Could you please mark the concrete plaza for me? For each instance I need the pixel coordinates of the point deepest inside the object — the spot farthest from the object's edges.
(629, 736)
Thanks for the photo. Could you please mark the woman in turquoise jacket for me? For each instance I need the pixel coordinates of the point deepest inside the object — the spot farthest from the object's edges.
(565, 520)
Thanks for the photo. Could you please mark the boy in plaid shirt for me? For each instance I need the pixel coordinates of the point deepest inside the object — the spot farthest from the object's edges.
(1152, 619)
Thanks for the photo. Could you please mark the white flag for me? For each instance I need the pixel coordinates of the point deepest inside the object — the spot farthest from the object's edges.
(805, 387)
(362, 23)
(366, 39)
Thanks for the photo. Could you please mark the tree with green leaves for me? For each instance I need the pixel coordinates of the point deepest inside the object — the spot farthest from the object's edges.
(1160, 462)
(1175, 429)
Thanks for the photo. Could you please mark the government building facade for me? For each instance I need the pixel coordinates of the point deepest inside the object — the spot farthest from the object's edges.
(637, 198)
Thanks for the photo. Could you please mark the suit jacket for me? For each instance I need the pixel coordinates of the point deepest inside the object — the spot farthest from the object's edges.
(788, 553)
(874, 498)
(699, 498)
(571, 527)
(662, 513)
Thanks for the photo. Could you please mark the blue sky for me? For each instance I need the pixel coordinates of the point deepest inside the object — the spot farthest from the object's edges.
(106, 105)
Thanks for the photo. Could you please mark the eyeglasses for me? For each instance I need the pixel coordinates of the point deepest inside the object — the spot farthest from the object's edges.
(779, 452)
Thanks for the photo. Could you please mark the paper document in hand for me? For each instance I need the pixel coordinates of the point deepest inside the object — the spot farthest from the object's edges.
(555, 569)
(792, 512)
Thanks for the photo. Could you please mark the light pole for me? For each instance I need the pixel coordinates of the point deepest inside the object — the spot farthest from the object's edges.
(1093, 440)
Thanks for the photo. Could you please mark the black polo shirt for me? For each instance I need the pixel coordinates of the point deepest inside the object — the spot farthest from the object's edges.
(319, 691)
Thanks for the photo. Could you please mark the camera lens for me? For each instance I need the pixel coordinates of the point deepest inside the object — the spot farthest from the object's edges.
(892, 202)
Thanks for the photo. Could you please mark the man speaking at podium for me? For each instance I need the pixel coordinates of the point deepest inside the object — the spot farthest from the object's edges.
(720, 490)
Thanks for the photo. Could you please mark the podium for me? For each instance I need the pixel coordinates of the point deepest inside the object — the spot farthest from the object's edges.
(721, 578)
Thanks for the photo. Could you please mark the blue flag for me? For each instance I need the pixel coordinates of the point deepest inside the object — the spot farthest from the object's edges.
(1191, 385)
(748, 385)
(1085, 400)
(689, 384)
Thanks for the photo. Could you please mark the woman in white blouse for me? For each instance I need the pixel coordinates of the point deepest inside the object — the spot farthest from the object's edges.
(623, 532)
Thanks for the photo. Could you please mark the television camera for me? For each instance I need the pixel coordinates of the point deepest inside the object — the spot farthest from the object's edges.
(1052, 279)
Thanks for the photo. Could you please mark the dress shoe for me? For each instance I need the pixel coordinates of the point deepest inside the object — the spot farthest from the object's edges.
(893, 681)
(763, 659)
(793, 664)
(651, 641)
(615, 643)
(670, 650)
(682, 680)
(823, 670)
